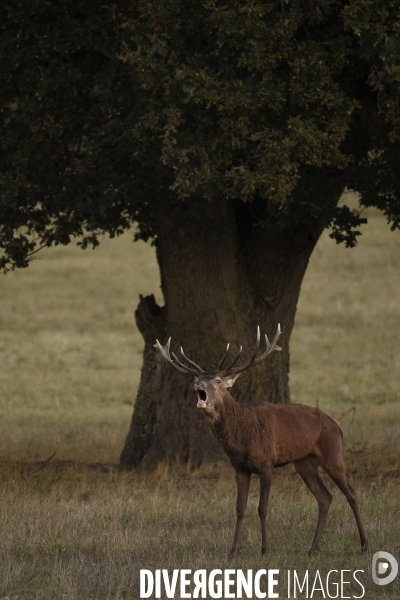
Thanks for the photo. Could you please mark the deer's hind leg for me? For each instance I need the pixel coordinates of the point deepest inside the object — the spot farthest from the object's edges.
(336, 470)
(307, 468)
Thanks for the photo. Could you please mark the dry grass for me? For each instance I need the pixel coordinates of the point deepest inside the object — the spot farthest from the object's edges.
(81, 533)
(70, 356)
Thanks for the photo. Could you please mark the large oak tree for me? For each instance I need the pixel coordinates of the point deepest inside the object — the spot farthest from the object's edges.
(226, 132)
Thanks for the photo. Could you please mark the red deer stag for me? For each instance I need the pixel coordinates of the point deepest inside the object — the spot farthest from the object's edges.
(260, 436)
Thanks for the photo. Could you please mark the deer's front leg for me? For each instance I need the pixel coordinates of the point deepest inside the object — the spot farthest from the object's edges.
(265, 486)
(243, 484)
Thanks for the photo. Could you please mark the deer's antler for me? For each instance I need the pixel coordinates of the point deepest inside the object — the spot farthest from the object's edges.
(198, 369)
(183, 368)
(221, 362)
(271, 347)
(234, 360)
(164, 350)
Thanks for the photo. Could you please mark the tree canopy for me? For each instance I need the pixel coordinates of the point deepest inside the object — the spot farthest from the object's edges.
(112, 113)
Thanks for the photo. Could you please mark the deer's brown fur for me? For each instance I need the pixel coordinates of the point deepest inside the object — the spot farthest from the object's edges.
(265, 433)
(257, 437)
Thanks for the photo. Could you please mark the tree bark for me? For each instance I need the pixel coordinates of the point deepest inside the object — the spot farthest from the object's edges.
(221, 276)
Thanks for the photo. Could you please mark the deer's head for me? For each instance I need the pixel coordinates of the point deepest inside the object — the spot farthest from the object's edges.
(210, 386)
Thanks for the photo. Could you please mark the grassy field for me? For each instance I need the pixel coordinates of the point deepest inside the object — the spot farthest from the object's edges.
(70, 356)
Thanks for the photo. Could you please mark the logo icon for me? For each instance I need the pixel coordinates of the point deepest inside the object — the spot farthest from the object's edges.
(381, 561)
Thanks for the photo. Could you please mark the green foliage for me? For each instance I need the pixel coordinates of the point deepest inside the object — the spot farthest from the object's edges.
(110, 114)
(68, 163)
(376, 176)
(241, 96)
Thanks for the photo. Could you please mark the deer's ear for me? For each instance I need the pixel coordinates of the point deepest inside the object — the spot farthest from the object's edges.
(230, 379)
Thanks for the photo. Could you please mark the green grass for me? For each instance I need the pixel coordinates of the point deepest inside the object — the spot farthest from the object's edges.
(70, 353)
(70, 359)
(346, 343)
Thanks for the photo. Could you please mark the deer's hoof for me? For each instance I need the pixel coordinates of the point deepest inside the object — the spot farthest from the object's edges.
(313, 551)
(264, 551)
(364, 547)
(233, 553)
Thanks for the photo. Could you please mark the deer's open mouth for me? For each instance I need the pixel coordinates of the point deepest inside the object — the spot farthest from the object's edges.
(201, 399)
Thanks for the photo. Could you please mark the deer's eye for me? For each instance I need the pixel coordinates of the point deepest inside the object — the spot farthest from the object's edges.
(217, 381)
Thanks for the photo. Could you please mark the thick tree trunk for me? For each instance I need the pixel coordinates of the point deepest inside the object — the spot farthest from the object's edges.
(221, 278)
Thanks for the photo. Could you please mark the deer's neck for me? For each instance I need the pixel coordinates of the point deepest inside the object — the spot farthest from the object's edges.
(234, 426)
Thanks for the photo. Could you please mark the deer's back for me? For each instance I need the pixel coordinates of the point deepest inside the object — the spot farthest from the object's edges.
(283, 434)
